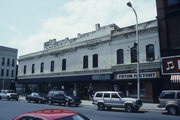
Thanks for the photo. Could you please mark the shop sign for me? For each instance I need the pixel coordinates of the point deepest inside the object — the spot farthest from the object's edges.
(170, 65)
(134, 75)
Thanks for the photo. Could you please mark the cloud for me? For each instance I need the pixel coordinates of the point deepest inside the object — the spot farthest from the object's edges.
(82, 15)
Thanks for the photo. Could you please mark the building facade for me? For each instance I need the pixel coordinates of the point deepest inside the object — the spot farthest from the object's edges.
(8, 65)
(168, 16)
(96, 60)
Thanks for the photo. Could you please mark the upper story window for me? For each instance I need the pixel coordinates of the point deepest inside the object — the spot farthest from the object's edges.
(85, 61)
(134, 53)
(150, 52)
(64, 64)
(8, 62)
(33, 68)
(2, 72)
(52, 66)
(42, 67)
(120, 56)
(25, 67)
(13, 62)
(7, 73)
(3, 61)
(95, 60)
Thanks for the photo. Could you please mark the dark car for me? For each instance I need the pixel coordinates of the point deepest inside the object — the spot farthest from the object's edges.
(37, 97)
(63, 97)
(51, 114)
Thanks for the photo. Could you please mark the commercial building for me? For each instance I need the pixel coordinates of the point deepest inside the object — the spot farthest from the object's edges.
(168, 16)
(103, 59)
(8, 65)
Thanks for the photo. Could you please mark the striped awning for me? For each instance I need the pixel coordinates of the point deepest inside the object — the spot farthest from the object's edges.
(175, 78)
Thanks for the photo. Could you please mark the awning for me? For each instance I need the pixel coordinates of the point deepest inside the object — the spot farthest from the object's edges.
(175, 78)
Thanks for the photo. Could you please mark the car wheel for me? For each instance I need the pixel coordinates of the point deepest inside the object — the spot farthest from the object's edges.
(101, 106)
(8, 98)
(49, 102)
(172, 110)
(129, 108)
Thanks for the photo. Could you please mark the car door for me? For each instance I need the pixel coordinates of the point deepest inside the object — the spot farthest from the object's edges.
(116, 100)
(107, 99)
(178, 99)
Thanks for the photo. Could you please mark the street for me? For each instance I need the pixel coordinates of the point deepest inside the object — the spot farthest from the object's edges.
(10, 109)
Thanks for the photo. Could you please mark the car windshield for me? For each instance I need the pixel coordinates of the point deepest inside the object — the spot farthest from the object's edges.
(10, 91)
(122, 95)
(74, 117)
(68, 93)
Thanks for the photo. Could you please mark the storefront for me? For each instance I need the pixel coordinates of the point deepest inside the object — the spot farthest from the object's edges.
(149, 82)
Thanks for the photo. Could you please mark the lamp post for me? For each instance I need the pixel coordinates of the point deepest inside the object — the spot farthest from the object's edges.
(137, 41)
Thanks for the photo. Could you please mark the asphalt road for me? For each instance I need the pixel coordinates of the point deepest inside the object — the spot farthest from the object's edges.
(10, 109)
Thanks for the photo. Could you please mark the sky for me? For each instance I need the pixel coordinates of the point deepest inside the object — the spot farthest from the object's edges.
(27, 24)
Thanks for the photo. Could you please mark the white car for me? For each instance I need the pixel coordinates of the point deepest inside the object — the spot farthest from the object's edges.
(109, 99)
(8, 94)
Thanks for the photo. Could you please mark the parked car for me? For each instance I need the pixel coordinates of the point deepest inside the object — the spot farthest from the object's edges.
(37, 97)
(109, 99)
(8, 94)
(63, 97)
(51, 114)
(170, 101)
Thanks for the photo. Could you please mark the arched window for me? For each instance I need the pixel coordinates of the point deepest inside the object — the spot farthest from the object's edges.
(120, 56)
(85, 61)
(42, 67)
(64, 64)
(33, 68)
(25, 67)
(52, 66)
(95, 60)
(134, 53)
(150, 52)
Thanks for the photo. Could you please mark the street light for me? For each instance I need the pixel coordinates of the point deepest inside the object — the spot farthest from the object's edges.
(137, 41)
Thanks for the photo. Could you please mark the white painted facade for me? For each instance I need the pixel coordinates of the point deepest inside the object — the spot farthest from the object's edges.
(97, 42)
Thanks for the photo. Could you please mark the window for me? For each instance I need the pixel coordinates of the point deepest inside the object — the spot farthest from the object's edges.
(42, 67)
(99, 95)
(114, 95)
(120, 56)
(13, 62)
(173, 2)
(33, 70)
(85, 61)
(52, 66)
(8, 62)
(2, 72)
(64, 64)
(178, 95)
(106, 95)
(150, 52)
(95, 60)
(7, 73)
(12, 73)
(3, 61)
(167, 95)
(134, 53)
(25, 67)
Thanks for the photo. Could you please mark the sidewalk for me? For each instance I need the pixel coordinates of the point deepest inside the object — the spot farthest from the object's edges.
(145, 107)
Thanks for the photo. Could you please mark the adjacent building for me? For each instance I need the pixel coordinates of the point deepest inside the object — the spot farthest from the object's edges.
(168, 16)
(104, 59)
(8, 66)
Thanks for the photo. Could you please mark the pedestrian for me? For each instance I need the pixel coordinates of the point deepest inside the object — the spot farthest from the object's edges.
(90, 94)
(74, 93)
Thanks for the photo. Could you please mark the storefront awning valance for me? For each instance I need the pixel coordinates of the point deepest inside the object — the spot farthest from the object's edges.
(175, 78)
